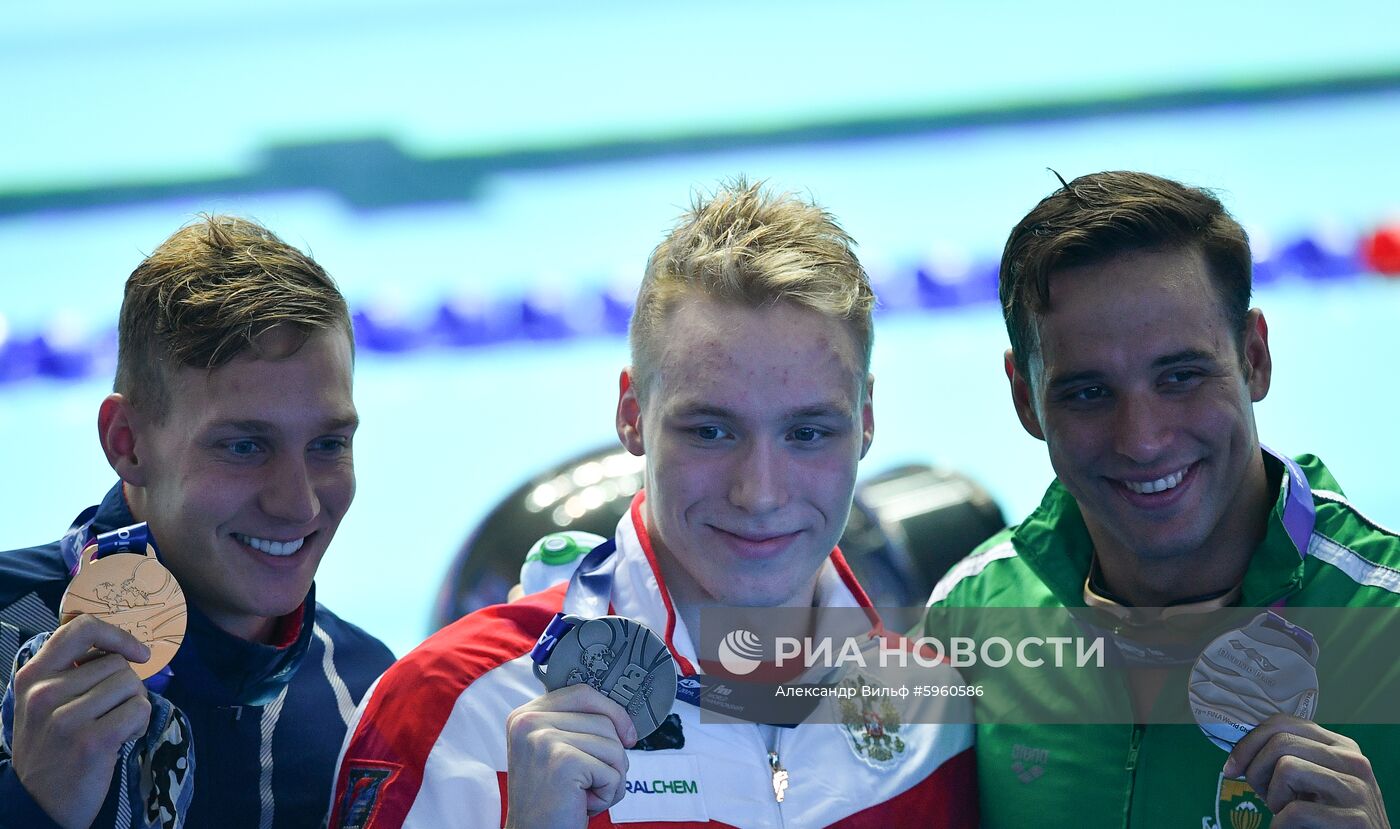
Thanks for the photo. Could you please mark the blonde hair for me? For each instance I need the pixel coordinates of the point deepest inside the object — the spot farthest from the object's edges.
(743, 244)
(204, 297)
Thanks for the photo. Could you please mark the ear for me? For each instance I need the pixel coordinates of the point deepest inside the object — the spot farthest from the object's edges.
(117, 429)
(1258, 362)
(629, 414)
(867, 415)
(1022, 397)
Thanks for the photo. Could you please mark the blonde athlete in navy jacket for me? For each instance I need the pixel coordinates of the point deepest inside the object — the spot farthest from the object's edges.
(230, 428)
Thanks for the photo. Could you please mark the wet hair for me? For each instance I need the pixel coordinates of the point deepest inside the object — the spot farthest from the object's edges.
(1101, 216)
(746, 245)
(206, 295)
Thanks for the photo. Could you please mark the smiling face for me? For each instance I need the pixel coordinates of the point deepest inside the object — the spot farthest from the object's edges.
(1145, 401)
(752, 426)
(247, 477)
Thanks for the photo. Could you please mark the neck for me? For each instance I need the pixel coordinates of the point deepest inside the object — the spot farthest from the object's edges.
(1163, 583)
(690, 599)
(1215, 566)
(251, 628)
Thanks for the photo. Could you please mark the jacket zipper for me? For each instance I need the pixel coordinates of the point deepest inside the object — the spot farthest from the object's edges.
(1134, 745)
(778, 774)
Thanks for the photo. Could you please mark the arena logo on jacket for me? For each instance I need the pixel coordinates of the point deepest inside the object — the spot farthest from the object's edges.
(363, 784)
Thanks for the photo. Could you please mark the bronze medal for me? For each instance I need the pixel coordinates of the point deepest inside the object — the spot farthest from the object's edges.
(135, 593)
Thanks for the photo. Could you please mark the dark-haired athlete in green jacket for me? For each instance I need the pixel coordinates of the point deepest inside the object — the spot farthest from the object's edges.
(1162, 774)
(1136, 357)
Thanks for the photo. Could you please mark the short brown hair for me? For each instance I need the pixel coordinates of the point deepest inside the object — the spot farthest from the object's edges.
(204, 297)
(1100, 216)
(744, 244)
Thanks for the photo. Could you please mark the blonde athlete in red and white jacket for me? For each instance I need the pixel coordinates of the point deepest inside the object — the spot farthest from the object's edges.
(428, 746)
(749, 395)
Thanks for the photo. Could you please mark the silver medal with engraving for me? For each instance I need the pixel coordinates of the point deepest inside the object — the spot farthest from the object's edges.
(1245, 675)
(620, 658)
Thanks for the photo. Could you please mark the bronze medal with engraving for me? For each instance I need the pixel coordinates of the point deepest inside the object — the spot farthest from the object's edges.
(135, 593)
(621, 658)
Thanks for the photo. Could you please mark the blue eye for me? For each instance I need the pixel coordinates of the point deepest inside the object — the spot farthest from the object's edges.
(807, 434)
(710, 433)
(330, 445)
(243, 448)
(1183, 375)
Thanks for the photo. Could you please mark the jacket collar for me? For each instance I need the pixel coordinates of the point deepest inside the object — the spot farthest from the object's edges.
(112, 513)
(227, 670)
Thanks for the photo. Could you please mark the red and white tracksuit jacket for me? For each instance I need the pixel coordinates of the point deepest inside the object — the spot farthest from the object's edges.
(427, 746)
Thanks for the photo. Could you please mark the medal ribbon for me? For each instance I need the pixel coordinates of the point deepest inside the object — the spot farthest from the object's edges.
(131, 539)
(590, 587)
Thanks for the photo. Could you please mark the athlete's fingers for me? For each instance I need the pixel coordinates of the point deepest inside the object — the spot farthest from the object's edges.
(582, 699)
(73, 641)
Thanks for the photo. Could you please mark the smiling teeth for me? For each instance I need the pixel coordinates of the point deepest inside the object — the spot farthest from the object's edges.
(274, 548)
(1158, 485)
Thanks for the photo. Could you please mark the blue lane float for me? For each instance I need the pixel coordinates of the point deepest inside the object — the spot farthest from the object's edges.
(551, 317)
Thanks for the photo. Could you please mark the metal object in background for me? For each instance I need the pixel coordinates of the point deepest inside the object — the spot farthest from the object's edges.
(590, 492)
(907, 527)
(930, 518)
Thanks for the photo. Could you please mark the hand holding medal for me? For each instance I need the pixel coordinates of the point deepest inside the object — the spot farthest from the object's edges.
(1254, 691)
(620, 658)
(608, 682)
(80, 696)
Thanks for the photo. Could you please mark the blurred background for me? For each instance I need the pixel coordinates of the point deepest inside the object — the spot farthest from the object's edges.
(485, 180)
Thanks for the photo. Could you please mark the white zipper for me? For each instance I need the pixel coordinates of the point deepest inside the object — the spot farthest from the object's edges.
(778, 775)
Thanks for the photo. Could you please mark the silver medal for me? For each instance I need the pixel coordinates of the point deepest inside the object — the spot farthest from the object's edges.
(1267, 667)
(620, 658)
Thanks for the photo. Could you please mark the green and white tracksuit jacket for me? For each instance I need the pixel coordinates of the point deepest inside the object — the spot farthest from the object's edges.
(1168, 775)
